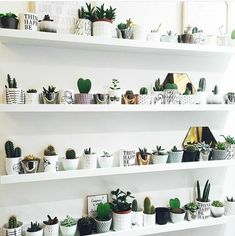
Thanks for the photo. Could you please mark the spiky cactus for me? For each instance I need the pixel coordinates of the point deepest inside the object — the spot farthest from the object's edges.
(50, 151)
(12, 152)
(143, 91)
(87, 151)
(12, 222)
(191, 148)
(70, 154)
(215, 90)
(11, 82)
(158, 87)
(202, 85)
(17, 152)
(206, 192)
(134, 205)
(148, 207)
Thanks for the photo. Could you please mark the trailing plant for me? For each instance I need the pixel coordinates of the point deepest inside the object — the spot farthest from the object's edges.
(120, 200)
(215, 91)
(229, 139)
(70, 154)
(11, 82)
(191, 148)
(12, 152)
(68, 221)
(217, 203)
(203, 147)
(103, 212)
(125, 26)
(202, 85)
(149, 209)
(192, 206)
(50, 151)
(106, 154)
(206, 192)
(171, 86)
(143, 153)
(143, 91)
(159, 151)
(134, 205)
(34, 227)
(115, 85)
(84, 86)
(221, 146)
(232, 199)
(51, 221)
(13, 222)
(158, 86)
(32, 91)
(157, 29)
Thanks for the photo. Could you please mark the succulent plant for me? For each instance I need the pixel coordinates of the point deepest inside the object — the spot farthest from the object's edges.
(143, 91)
(232, 199)
(171, 86)
(84, 86)
(202, 85)
(174, 203)
(87, 151)
(192, 206)
(12, 152)
(82, 13)
(229, 139)
(13, 222)
(203, 147)
(11, 82)
(221, 146)
(30, 158)
(48, 93)
(158, 86)
(106, 154)
(70, 154)
(174, 149)
(206, 192)
(32, 91)
(50, 151)
(215, 91)
(159, 151)
(134, 205)
(156, 29)
(46, 18)
(233, 34)
(34, 227)
(68, 221)
(149, 209)
(115, 84)
(103, 212)
(143, 153)
(217, 203)
(124, 26)
(8, 14)
(187, 92)
(51, 221)
(191, 148)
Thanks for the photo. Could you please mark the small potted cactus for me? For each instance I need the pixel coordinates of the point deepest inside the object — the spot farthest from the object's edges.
(157, 94)
(114, 92)
(186, 37)
(188, 97)
(13, 227)
(217, 208)
(191, 211)
(84, 87)
(106, 160)
(50, 159)
(124, 30)
(190, 153)
(159, 156)
(13, 158)
(230, 146)
(130, 98)
(203, 201)
(34, 230)
(9, 20)
(175, 155)
(47, 25)
(215, 97)
(143, 157)
(200, 97)
(85, 226)
(49, 96)
(68, 226)
(70, 162)
(177, 214)
(51, 226)
(149, 213)
(171, 94)
(103, 218)
(31, 96)
(144, 97)
(30, 164)
(136, 214)
(88, 160)
(204, 151)
(229, 206)
(220, 151)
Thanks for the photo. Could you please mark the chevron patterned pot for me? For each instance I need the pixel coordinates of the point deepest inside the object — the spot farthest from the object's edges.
(171, 96)
(103, 226)
(14, 96)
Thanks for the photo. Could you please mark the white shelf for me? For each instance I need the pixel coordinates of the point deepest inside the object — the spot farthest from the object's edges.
(112, 108)
(62, 175)
(8, 36)
(170, 227)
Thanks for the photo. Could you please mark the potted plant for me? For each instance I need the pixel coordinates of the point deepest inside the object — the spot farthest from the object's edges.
(204, 151)
(162, 215)
(88, 159)
(106, 160)
(84, 87)
(121, 210)
(9, 20)
(171, 94)
(102, 24)
(70, 162)
(68, 226)
(186, 37)
(190, 153)
(13, 158)
(200, 97)
(203, 201)
(220, 151)
(229, 98)
(51, 226)
(50, 159)
(12, 94)
(230, 146)
(124, 30)
(114, 92)
(191, 211)
(34, 230)
(229, 206)
(103, 218)
(47, 25)
(217, 208)
(149, 212)
(159, 156)
(154, 34)
(177, 214)
(144, 97)
(188, 97)
(85, 226)
(136, 214)
(130, 98)
(143, 157)
(101, 98)
(49, 96)
(13, 227)
(31, 96)
(214, 98)
(30, 164)
(198, 36)
(169, 37)
(157, 94)
(175, 155)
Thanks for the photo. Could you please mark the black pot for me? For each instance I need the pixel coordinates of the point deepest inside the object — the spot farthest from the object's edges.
(162, 215)
(85, 229)
(190, 156)
(9, 22)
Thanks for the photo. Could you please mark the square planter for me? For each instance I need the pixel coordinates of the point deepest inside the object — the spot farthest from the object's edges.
(157, 98)
(187, 99)
(230, 154)
(101, 98)
(38, 233)
(105, 162)
(144, 99)
(30, 166)
(83, 27)
(31, 98)
(51, 230)
(204, 156)
(204, 210)
(66, 96)
(12, 165)
(190, 156)
(218, 154)
(125, 33)
(122, 220)
(200, 97)
(51, 98)
(115, 97)
(141, 161)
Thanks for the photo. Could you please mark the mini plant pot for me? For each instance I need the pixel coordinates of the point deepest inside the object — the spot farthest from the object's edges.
(177, 217)
(204, 210)
(159, 159)
(191, 215)
(13, 232)
(28, 21)
(144, 99)
(30, 166)
(149, 219)
(84, 229)
(214, 99)
(31, 98)
(70, 164)
(204, 156)
(125, 33)
(187, 99)
(14, 96)
(115, 97)
(162, 215)
(83, 27)
(157, 98)
(200, 98)
(88, 161)
(68, 231)
(101, 98)
(139, 32)
(50, 163)
(218, 154)
(47, 26)
(185, 38)
(9, 22)
(66, 96)
(171, 96)
(51, 98)
(51, 230)
(169, 39)
(190, 156)
(102, 29)
(103, 226)
(217, 211)
(198, 38)
(122, 220)
(229, 208)
(84, 98)
(175, 157)
(153, 36)
(105, 162)
(230, 152)
(130, 100)
(141, 161)
(37, 233)
(137, 218)
(12, 165)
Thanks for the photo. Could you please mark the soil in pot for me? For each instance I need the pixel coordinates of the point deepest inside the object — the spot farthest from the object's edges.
(162, 215)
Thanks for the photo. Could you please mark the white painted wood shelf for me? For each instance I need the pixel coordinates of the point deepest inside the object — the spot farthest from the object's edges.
(8, 36)
(72, 174)
(11, 108)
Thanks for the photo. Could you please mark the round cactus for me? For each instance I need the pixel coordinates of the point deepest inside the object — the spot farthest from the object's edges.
(143, 91)
(70, 154)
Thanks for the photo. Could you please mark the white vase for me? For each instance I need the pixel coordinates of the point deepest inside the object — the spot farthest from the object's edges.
(88, 161)
(66, 96)
(70, 164)
(137, 218)
(50, 163)
(14, 96)
(38, 233)
(12, 165)
(122, 221)
(200, 98)
(13, 232)
(229, 208)
(51, 230)
(68, 231)
(139, 32)
(177, 217)
(154, 37)
(83, 27)
(115, 97)
(102, 29)
(159, 159)
(144, 99)
(149, 219)
(28, 21)
(217, 211)
(187, 99)
(105, 162)
(157, 98)
(204, 210)
(31, 98)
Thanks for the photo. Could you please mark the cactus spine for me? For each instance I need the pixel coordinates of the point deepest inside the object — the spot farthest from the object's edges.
(12, 222)
(12, 152)
(70, 154)
(148, 208)
(202, 85)
(134, 206)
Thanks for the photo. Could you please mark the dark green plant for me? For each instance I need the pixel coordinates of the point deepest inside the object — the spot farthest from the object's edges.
(158, 86)
(84, 86)
(125, 26)
(12, 152)
(187, 92)
(171, 86)
(229, 139)
(134, 205)
(159, 151)
(115, 85)
(11, 82)
(110, 13)
(120, 201)
(34, 227)
(192, 206)
(149, 209)
(50, 151)
(143, 153)
(191, 148)
(8, 14)
(206, 192)
(215, 91)
(217, 203)
(221, 146)
(51, 221)
(32, 91)
(143, 91)
(87, 151)
(103, 212)
(13, 222)
(202, 85)
(82, 13)
(70, 154)
(174, 149)
(106, 154)
(90, 13)
(232, 199)
(48, 92)
(86, 221)
(68, 221)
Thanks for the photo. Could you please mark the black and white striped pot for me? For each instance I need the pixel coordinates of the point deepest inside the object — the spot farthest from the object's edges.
(13, 232)
(14, 96)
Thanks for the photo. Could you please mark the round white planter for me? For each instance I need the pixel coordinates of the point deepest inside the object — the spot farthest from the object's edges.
(229, 208)
(50, 163)
(102, 29)
(51, 230)
(200, 98)
(154, 37)
(103, 226)
(144, 99)
(214, 99)
(115, 97)
(31, 98)
(88, 161)
(217, 211)
(171, 96)
(12, 165)
(38, 233)
(68, 231)
(121, 221)
(157, 98)
(70, 164)
(204, 210)
(177, 217)
(149, 219)
(137, 218)
(105, 162)
(159, 159)
(13, 232)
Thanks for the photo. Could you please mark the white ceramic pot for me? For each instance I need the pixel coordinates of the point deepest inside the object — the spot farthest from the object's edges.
(47, 26)
(13, 232)
(70, 164)
(66, 96)
(214, 99)
(28, 21)
(157, 98)
(50, 163)
(31, 98)
(177, 217)
(169, 39)
(144, 99)
(187, 99)
(200, 98)
(204, 210)
(14, 96)
(68, 231)
(12, 165)
(122, 221)
(51, 230)
(217, 211)
(102, 29)
(204, 156)
(115, 97)
(137, 218)
(229, 208)
(211, 40)
(38, 233)
(154, 37)
(83, 27)
(88, 161)
(159, 159)
(175, 157)
(103, 226)
(139, 32)
(149, 219)
(105, 162)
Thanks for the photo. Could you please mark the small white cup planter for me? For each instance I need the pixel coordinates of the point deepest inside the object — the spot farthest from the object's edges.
(217, 211)
(137, 218)
(157, 98)
(175, 157)
(66, 96)
(169, 39)
(149, 219)
(88, 161)
(204, 210)
(200, 98)
(28, 21)
(12, 165)
(121, 220)
(144, 99)
(214, 99)
(14, 96)
(13, 232)
(103, 29)
(187, 99)
(218, 154)
(83, 27)
(115, 97)
(177, 217)
(31, 98)
(68, 231)
(204, 156)
(139, 32)
(103, 226)
(229, 208)
(50, 163)
(51, 230)
(159, 159)
(154, 36)
(105, 161)
(47, 25)
(37, 233)
(70, 164)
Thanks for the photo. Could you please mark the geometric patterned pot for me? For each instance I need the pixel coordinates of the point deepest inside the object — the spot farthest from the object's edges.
(157, 98)
(103, 226)
(230, 152)
(83, 27)
(187, 99)
(144, 99)
(13, 232)
(175, 157)
(171, 96)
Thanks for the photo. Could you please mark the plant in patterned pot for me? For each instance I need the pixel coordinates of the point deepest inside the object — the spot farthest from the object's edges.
(13, 227)
(144, 97)
(129, 98)
(49, 95)
(188, 97)
(84, 87)
(101, 98)
(35, 229)
(230, 146)
(136, 214)
(191, 211)
(159, 155)
(149, 212)
(88, 160)
(9, 20)
(114, 92)
(217, 208)
(68, 226)
(175, 155)
(204, 151)
(177, 213)
(124, 30)
(229, 206)
(51, 226)
(50, 159)
(171, 94)
(157, 94)
(70, 161)
(143, 156)
(220, 151)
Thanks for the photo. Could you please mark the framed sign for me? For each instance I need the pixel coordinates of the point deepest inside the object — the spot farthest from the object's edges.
(93, 201)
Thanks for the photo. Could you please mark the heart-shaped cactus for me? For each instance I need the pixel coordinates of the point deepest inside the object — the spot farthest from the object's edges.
(84, 85)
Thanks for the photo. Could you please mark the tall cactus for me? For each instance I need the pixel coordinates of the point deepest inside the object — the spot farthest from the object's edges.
(12, 152)
(215, 90)
(148, 208)
(134, 206)
(202, 85)
(12, 222)
(17, 152)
